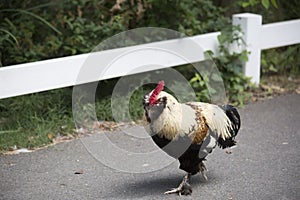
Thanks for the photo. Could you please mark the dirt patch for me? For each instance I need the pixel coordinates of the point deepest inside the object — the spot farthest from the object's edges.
(275, 85)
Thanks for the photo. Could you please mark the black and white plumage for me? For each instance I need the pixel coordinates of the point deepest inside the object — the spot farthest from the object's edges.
(189, 131)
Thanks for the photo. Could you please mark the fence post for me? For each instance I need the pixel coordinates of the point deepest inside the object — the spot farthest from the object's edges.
(251, 25)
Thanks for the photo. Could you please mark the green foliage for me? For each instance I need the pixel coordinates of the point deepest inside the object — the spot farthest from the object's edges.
(110, 106)
(284, 60)
(33, 31)
(42, 30)
(188, 17)
(230, 65)
(136, 109)
(199, 84)
(265, 3)
(26, 121)
(289, 9)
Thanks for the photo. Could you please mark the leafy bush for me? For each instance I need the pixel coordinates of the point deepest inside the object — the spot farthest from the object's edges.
(284, 61)
(231, 69)
(33, 31)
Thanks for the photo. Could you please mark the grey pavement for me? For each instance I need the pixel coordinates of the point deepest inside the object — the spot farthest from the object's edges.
(264, 165)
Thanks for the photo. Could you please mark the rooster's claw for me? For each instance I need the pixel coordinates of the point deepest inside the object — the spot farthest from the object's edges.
(183, 189)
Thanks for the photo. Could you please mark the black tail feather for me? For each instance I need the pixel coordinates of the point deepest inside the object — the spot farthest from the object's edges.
(229, 142)
(235, 119)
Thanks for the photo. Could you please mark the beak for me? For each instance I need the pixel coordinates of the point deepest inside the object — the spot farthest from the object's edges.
(146, 101)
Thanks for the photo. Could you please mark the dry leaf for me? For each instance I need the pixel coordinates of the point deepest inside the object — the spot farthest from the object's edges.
(117, 5)
(298, 90)
(50, 136)
(79, 171)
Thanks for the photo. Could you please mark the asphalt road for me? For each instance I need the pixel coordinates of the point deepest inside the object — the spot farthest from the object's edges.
(264, 165)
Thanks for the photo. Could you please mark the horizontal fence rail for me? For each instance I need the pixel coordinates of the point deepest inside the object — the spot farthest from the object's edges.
(63, 72)
(280, 34)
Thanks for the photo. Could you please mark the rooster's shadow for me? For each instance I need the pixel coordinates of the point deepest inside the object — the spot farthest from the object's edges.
(141, 186)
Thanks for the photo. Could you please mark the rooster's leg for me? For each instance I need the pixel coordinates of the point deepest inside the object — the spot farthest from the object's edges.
(184, 188)
(203, 170)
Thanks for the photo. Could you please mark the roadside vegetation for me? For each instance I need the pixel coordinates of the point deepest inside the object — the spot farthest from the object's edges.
(39, 30)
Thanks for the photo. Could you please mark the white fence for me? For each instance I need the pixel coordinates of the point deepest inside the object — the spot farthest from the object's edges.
(260, 37)
(62, 72)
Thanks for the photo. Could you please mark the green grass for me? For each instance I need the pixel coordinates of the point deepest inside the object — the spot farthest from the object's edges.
(34, 120)
(30, 121)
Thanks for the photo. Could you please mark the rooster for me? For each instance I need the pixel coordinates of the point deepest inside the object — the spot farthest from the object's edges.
(189, 131)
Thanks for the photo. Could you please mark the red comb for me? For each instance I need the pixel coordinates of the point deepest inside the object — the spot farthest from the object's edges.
(156, 91)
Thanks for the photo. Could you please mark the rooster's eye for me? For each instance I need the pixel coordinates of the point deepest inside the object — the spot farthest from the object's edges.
(146, 100)
(163, 100)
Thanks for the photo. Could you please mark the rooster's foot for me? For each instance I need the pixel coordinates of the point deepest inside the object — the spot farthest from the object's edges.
(184, 188)
(203, 170)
